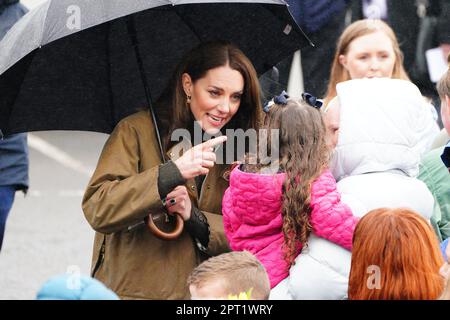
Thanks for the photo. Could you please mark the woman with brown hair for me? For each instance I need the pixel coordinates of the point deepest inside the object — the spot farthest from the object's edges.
(216, 87)
(395, 256)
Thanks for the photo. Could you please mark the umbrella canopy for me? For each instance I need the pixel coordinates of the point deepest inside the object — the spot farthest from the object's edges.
(85, 65)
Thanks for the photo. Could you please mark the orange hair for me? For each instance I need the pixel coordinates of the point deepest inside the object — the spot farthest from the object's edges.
(402, 246)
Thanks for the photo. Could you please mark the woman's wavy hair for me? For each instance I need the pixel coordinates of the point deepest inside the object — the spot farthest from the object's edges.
(197, 63)
(405, 250)
(303, 155)
(353, 31)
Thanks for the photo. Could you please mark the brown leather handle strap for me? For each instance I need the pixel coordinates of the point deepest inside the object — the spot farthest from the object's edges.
(165, 235)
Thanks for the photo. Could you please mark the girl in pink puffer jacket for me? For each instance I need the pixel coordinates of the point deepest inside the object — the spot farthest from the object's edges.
(271, 210)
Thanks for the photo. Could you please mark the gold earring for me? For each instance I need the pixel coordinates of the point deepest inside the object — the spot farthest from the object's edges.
(188, 99)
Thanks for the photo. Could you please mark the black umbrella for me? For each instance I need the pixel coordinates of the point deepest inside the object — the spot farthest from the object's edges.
(85, 65)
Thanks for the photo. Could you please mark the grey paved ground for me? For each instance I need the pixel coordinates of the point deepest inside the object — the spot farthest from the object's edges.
(47, 233)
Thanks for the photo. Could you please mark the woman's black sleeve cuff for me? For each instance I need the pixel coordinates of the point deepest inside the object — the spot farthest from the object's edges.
(169, 177)
(198, 228)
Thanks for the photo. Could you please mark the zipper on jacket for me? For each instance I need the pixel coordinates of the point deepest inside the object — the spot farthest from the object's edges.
(100, 258)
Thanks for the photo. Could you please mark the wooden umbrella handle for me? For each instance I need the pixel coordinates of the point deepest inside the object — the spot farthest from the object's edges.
(165, 235)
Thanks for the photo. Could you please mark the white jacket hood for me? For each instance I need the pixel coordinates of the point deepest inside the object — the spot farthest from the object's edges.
(385, 124)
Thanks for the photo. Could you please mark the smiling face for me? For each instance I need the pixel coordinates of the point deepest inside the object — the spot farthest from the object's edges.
(215, 98)
(370, 56)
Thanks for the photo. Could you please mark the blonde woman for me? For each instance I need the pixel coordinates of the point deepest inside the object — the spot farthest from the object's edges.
(369, 49)
(366, 49)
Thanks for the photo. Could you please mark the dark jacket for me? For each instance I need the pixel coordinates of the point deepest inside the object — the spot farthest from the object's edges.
(13, 149)
(443, 27)
(312, 15)
(10, 12)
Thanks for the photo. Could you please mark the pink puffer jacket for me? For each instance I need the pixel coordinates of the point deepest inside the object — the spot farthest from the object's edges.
(252, 219)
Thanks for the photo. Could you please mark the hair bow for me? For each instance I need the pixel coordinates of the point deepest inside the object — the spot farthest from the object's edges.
(312, 100)
(281, 99)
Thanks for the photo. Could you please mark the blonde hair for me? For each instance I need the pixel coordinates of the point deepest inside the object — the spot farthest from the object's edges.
(443, 86)
(355, 30)
(240, 272)
(405, 248)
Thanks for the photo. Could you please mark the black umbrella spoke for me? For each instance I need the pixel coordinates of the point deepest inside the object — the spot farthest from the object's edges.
(132, 32)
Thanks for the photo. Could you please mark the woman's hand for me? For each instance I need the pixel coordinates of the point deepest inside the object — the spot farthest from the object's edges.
(198, 159)
(178, 201)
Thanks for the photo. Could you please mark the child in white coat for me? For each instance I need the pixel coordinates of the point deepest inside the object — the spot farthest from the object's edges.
(380, 127)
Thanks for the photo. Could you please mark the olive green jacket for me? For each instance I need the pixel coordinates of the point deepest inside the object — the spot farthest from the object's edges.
(127, 257)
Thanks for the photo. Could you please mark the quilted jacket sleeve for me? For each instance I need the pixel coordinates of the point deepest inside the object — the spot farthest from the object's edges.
(330, 217)
(227, 213)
